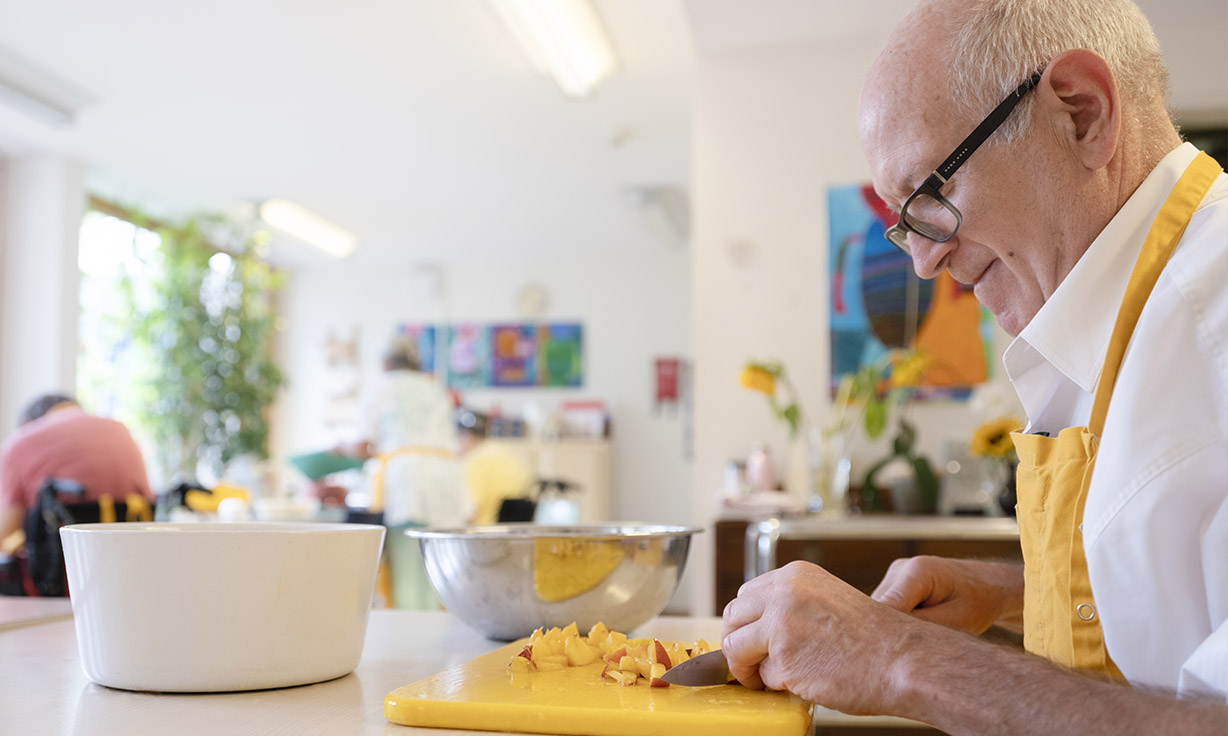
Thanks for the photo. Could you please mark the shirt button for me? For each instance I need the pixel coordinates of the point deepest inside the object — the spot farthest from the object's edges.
(1086, 611)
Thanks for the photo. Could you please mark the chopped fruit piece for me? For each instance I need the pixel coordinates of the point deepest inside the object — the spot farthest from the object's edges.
(578, 653)
(643, 666)
(657, 653)
(658, 671)
(624, 660)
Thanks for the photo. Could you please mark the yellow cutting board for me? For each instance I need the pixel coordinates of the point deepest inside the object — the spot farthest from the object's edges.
(481, 695)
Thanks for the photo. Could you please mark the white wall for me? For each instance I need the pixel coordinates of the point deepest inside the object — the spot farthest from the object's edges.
(41, 203)
(633, 308)
(774, 127)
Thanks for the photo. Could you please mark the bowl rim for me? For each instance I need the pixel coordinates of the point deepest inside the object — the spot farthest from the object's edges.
(163, 528)
(529, 531)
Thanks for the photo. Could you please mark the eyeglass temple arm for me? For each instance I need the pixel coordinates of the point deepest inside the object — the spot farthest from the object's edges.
(986, 128)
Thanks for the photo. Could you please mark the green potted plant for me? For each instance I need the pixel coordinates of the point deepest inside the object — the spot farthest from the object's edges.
(204, 325)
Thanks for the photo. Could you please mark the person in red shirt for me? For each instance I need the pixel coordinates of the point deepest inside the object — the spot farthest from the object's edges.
(56, 438)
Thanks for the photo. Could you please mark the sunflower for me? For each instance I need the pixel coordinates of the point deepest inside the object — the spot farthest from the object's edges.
(757, 378)
(909, 369)
(993, 438)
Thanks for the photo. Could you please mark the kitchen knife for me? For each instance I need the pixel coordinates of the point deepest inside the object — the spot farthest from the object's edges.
(706, 669)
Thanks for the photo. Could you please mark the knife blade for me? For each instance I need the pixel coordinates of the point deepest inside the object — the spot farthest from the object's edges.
(706, 669)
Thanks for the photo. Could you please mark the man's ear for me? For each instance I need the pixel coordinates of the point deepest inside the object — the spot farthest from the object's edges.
(1078, 95)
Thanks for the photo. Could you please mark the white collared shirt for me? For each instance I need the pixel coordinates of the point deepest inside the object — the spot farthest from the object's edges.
(1155, 526)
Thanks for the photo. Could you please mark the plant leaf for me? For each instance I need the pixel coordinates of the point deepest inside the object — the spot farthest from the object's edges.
(876, 416)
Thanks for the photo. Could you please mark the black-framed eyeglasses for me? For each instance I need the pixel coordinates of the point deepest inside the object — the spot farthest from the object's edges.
(926, 212)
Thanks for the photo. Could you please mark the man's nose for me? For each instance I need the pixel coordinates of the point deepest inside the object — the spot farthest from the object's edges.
(929, 259)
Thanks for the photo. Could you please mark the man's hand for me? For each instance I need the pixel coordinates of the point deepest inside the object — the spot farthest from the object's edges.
(800, 628)
(970, 595)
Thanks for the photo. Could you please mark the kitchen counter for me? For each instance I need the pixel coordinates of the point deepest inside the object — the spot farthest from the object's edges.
(44, 691)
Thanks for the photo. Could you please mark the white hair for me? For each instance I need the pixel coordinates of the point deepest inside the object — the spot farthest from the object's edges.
(997, 44)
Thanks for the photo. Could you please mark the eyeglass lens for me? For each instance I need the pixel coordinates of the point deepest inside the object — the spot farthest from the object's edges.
(931, 218)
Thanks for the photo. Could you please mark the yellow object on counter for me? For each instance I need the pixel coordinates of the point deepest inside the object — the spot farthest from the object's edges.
(481, 695)
(204, 501)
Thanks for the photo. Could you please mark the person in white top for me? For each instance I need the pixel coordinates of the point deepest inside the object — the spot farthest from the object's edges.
(411, 440)
(1100, 240)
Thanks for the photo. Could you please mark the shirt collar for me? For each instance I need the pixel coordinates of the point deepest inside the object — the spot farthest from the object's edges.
(1072, 329)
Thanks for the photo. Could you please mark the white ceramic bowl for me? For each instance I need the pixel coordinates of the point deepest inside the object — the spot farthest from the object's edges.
(217, 607)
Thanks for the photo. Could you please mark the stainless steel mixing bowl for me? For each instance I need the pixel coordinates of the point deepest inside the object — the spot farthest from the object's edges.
(507, 580)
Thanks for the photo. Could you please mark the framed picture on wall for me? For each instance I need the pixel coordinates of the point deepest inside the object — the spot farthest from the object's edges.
(878, 303)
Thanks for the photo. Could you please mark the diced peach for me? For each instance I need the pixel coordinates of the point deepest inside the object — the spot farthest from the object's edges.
(617, 654)
(598, 632)
(578, 653)
(657, 653)
(627, 664)
(658, 671)
(520, 665)
(643, 666)
(548, 666)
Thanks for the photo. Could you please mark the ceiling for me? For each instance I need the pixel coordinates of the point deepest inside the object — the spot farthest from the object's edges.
(418, 124)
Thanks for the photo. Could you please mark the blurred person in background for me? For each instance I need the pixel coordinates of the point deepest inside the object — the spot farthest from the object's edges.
(493, 473)
(410, 439)
(56, 438)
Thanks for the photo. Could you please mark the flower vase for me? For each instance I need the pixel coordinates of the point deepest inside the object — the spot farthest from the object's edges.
(800, 480)
(832, 475)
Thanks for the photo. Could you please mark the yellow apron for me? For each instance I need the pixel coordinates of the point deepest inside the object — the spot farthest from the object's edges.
(1060, 620)
(401, 582)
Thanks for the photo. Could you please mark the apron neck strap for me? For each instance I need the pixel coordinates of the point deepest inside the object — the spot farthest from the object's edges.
(1161, 240)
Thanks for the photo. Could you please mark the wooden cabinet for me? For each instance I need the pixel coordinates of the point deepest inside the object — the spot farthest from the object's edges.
(858, 550)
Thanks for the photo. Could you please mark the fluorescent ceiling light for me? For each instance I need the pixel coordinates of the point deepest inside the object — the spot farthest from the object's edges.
(38, 92)
(308, 227)
(563, 38)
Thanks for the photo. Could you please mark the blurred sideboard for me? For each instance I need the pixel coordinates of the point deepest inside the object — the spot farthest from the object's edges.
(582, 461)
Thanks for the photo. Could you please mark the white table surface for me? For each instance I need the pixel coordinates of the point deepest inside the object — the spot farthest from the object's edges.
(44, 691)
(16, 611)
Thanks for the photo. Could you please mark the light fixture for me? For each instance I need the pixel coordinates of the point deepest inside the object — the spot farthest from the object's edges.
(38, 92)
(563, 38)
(307, 226)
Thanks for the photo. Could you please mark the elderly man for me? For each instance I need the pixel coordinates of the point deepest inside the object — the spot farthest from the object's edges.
(57, 439)
(1101, 241)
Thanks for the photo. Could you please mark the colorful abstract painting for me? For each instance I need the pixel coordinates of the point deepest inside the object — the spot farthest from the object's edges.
(515, 355)
(878, 303)
(560, 355)
(503, 355)
(424, 337)
(469, 356)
